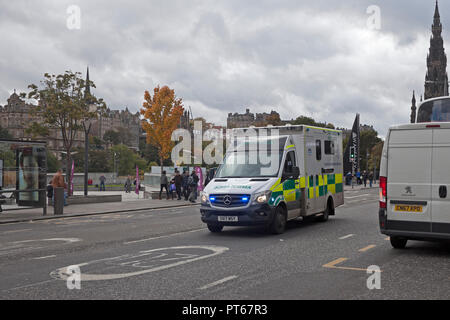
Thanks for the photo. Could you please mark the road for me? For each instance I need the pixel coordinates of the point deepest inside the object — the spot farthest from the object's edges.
(169, 254)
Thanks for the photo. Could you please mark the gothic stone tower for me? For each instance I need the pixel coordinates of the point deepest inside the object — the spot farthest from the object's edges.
(436, 79)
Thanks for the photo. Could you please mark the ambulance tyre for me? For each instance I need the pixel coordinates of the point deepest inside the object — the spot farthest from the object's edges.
(215, 228)
(330, 208)
(398, 243)
(278, 224)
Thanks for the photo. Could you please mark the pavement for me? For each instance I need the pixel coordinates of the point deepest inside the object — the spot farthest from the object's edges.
(170, 254)
(130, 203)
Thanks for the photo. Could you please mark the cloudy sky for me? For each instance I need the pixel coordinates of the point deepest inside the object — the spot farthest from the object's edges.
(298, 57)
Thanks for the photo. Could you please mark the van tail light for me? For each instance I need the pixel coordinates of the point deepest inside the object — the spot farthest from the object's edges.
(383, 192)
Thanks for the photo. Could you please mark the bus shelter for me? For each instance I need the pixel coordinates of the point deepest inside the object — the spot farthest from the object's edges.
(23, 173)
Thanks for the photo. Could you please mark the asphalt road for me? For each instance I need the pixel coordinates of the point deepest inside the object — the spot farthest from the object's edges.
(169, 254)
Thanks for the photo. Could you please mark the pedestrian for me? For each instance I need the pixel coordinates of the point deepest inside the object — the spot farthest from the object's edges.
(208, 178)
(371, 179)
(178, 180)
(365, 178)
(58, 182)
(185, 185)
(193, 185)
(128, 185)
(164, 182)
(348, 178)
(358, 177)
(102, 183)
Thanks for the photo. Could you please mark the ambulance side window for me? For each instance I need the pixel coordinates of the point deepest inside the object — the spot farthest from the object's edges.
(290, 162)
(318, 150)
(329, 147)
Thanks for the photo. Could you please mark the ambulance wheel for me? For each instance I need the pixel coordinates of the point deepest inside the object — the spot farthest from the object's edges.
(278, 225)
(398, 243)
(324, 216)
(215, 228)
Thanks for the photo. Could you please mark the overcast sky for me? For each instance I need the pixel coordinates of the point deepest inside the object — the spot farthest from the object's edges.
(315, 58)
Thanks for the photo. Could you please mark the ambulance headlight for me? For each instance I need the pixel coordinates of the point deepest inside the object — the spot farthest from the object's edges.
(204, 197)
(263, 197)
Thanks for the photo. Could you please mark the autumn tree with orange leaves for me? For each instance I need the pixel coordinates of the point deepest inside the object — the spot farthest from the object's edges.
(162, 115)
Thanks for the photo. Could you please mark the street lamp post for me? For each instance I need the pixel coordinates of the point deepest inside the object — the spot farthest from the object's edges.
(87, 129)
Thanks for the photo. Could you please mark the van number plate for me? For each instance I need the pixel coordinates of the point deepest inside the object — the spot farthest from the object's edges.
(228, 219)
(408, 208)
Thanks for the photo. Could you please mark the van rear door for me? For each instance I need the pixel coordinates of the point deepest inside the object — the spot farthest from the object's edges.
(440, 193)
(409, 180)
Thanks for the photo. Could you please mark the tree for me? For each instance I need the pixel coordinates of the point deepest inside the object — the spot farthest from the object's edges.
(4, 134)
(162, 114)
(65, 106)
(127, 160)
(311, 122)
(111, 137)
(53, 163)
(368, 139)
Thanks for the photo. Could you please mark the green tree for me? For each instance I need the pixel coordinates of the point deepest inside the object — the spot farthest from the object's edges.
(111, 137)
(64, 105)
(53, 163)
(4, 134)
(126, 160)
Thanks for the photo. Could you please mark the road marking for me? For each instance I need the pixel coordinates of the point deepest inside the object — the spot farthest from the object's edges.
(63, 273)
(218, 282)
(46, 257)
(362, 195)
(166, 236)
(367, 248)
(332, 265)
(346, 237)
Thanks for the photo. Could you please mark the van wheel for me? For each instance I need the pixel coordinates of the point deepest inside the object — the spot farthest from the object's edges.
(398, 243)
(278, 225)
(215, 228)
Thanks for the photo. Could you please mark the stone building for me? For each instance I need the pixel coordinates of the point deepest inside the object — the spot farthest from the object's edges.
(16, 116)
(247, 119)
(436, 78)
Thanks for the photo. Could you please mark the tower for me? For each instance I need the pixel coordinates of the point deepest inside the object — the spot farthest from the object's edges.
(413, 108)
(436, 79)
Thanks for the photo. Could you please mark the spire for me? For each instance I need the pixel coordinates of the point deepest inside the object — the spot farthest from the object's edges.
(436, 80)
(88, 85)
(413, 108)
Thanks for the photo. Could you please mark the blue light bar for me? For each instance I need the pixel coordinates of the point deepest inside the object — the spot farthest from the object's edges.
(212, 199)
(244, 199)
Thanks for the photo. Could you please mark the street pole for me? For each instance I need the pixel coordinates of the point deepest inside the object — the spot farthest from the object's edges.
(86, 157)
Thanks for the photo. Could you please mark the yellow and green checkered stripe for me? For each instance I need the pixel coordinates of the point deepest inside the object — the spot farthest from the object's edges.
(323, 184)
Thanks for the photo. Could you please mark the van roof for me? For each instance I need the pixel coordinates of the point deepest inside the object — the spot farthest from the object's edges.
(421, 125)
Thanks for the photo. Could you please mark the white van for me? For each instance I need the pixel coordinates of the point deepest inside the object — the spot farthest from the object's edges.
(415, 177)
(306, 181)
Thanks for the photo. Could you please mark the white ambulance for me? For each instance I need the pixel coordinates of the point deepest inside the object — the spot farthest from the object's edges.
(305, 181)
(415, 177)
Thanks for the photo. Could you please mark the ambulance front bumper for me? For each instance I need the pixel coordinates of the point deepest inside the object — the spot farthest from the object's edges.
(258, 214)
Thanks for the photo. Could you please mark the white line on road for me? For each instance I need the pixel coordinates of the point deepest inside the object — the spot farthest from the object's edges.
(218, 282)
(166, 236)
(346, 237)
(46, 257)
(362, 195)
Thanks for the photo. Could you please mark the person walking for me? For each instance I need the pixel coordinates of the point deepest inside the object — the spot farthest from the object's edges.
(58, 182)
(371, 179)
(102, 183)
(178, 180)
(164, 182)
(185, 185)
(364, 176)
(193, 185)
(128, 185)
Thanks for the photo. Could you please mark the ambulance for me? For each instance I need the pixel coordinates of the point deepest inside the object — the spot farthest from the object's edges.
(303, 180)
(415, 177)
